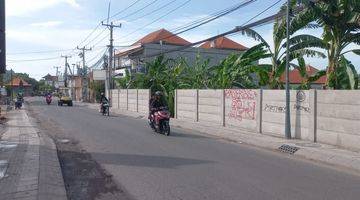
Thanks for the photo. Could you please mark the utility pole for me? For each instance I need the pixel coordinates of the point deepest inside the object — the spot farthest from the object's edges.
(11, 85)
(108, 81)
(287, 87)
(84, 74)
(57, 70)
(66, 70)
(2, 38)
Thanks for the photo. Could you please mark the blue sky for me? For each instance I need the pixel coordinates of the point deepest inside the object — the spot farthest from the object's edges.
(43, 25)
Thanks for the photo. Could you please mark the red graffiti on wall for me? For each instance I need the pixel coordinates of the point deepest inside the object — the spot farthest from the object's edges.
(243, 104)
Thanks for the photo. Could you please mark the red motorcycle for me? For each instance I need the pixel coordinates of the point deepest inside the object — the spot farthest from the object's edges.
(48, 99)
(160, 121)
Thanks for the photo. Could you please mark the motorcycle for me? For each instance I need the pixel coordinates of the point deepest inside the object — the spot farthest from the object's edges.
(18, 103)
(48, 99)
(105, 108)
(160, 121)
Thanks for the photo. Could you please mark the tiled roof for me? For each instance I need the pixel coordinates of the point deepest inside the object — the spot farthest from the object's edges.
(295, 76)
(165, 36)
(18, 81)
(223, 43)
(49, 77)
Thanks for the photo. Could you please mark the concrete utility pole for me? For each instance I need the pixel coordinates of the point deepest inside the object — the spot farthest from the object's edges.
(84, 74)
(287, 86)
(2, 38)
(57, 70)
(66, 70)
(108, 81)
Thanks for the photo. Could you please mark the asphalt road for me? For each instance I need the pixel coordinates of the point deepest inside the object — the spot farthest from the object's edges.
(190, 166)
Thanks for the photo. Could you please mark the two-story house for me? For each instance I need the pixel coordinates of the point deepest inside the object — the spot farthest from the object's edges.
(161, 41)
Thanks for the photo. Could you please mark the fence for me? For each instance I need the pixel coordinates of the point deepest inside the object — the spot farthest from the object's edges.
(326, 116)
(135, 100)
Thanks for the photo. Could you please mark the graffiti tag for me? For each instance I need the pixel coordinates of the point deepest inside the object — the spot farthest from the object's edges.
(282, 109)
(243, 104)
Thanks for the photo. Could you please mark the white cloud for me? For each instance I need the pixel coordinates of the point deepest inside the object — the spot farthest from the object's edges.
(25, 7)
(47, 24)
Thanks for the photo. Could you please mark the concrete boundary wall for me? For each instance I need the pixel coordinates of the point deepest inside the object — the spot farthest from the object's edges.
(326, 116)
(135, 100)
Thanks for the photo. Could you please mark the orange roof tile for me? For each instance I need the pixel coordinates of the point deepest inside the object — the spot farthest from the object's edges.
(223, 43)
(295, 76)
(18, 82)
(162, 35)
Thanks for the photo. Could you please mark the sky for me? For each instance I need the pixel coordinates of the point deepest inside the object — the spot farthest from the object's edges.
(48, 29)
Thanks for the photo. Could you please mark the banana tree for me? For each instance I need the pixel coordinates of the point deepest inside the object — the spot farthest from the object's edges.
(307, 78)
(196, 76)
(238, 70)
(278, 52)
(340, 20)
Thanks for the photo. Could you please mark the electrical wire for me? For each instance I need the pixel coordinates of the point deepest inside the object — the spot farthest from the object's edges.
(39, 52)
(144, 7)
(32, 60)
(153, 11)
(235, 30)
(123, 10)
(159, 18)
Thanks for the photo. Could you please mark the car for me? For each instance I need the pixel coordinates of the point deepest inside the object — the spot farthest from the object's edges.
(65, 100)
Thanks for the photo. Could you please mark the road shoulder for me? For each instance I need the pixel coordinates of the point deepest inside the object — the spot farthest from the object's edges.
(33, 169)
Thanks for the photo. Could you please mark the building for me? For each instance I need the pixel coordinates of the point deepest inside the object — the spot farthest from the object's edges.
(18, 85)
(295, 78)
(50, 80)
(147, 48)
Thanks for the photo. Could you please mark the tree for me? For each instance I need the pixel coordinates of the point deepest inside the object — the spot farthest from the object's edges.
(340, 20)
(298, 47)
(237, 70)
(307, 79)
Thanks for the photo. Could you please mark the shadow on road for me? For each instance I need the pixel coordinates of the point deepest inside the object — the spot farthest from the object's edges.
(146, 160)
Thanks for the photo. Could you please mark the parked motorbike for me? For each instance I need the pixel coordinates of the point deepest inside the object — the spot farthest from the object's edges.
(105, 108)
(160, 121)
(48, 99)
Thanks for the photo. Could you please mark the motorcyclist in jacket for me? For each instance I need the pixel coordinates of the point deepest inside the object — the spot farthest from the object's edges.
(156, 103)
(103, 100)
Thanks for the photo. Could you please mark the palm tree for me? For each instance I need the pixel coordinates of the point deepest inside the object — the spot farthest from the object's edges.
(271, 75)
(340, 20)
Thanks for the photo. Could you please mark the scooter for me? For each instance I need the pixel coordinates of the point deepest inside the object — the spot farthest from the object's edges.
(48, 99)
(160, 121)
(105, 108)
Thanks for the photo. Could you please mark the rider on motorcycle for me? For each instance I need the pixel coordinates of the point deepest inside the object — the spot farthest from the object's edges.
(103, 100)
(156, 103)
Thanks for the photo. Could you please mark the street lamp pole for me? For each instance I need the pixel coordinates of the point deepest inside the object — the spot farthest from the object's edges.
(287, 87)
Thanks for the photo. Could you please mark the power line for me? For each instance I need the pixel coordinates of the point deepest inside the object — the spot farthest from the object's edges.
(235, 30)
(213, 18)
(159, 18)
(153, 11)
(39, 52)
(123, 10)
(144, 7)
(202, 21)
(31, 60)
